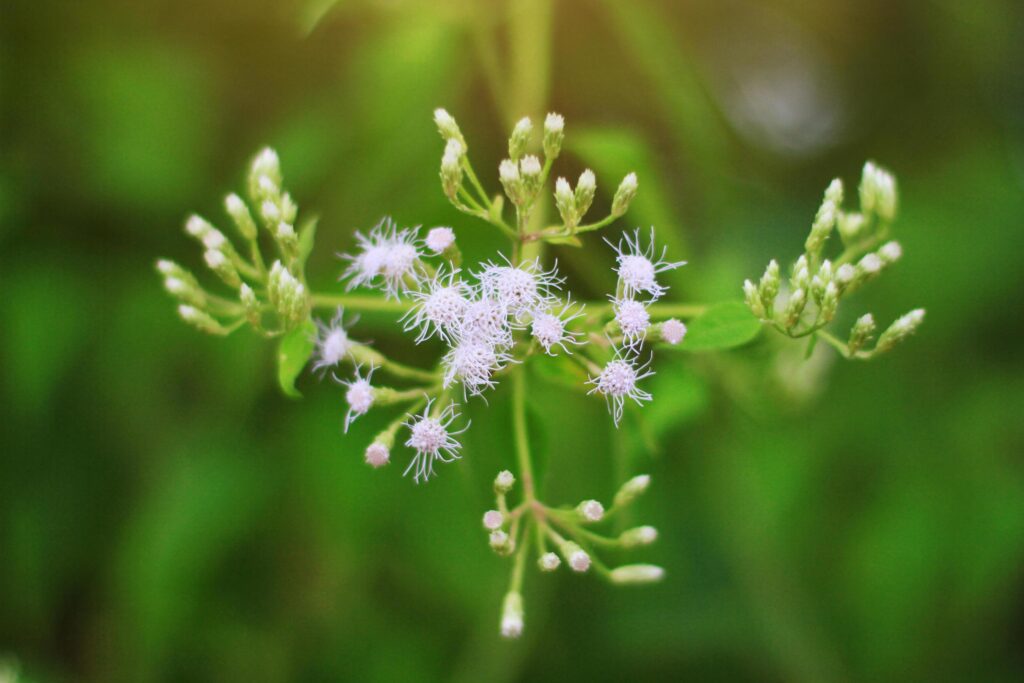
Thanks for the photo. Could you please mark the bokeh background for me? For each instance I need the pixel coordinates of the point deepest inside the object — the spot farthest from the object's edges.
(167, 515)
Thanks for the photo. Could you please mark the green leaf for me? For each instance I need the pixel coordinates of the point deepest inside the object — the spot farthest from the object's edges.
(292, 355)
(307, 235)
(722, 326)
(570, 240)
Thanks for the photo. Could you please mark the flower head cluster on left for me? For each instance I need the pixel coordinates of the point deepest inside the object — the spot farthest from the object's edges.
(268, 286)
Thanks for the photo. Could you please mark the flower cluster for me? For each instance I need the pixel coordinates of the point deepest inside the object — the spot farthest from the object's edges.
(563, 534)
(274, 299)
(496, 317)
(809, 302)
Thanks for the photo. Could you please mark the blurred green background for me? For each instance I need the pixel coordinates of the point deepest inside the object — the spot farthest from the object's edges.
(166, 515)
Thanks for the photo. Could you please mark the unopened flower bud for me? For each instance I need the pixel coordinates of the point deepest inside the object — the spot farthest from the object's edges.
(500, 542)
(223, 267)
(638, 536)
(201, 320)
(851, 226)
(845, 274)
(631, 490)
(590, 511)
(862, 332)
(447, 126)
(520, 138)
(673, 331)
(586, 188)
(239, 213)
(377, 454)
(565, 202)
(197, 226)
(624, 195)
(251, 304)
(829, 302)
(795, 306)
(891, 252)
(636, 574)
(554, 133)
(504, 482)
(440, 239)
(549, 562)
(904, 326)
(869, 265)
(834, 192)
(753, 301)
(768, 288)
(508, 174)
(512, 615)
(271, 212)
(451, 170)
(575, 556)
(493, 520)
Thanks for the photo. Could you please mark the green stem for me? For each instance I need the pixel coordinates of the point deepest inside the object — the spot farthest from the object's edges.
(656, 310)
(522, 438)
(360, 303)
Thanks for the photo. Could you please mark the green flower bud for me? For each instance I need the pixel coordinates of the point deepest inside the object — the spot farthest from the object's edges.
(520, 138)
(624, 195)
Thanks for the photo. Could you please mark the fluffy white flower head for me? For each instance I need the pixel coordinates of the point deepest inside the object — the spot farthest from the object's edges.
(439, 239)
(633, 319)
(673, 331)
(471, 362)
(439, 307)
(430, 437)
(387, 252)
(332, 342)
(519, 289)
(377, 455)
(638, 267)
(618, 381)
(548, 328)
(358, 395)
(485, 320)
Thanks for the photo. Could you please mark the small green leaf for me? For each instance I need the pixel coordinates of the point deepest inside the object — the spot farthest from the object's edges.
(570, 240)
(292, 355)
(307, 235)
(722, 326)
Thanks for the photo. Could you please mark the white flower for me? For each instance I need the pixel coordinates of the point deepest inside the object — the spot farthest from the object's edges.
(508, 172)
(845, 274)
(870, 264)
(549, 562)
(439, 239)
(493, 519)
(387, 252)
(548, 328)
(633, 319)
(472, 362)
(638, 267)
(554, 123)
(377, 455)
(530, 166)
(618, 381)
(520, 289)
(512, 615)
(332, 342)
(359, 395)
(485, 320)
(891, 252)
(673, 331)
(591, 510)
(431, 439)
(579, 560)
(439, 308)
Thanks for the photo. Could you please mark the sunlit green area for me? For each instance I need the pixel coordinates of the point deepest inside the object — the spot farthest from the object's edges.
(166, 514)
